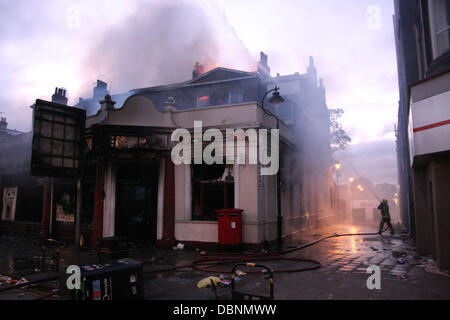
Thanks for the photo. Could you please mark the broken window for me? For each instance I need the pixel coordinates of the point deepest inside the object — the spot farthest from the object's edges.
(212, 189)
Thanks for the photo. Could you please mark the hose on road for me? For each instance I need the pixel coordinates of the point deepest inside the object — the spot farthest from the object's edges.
(213, 260)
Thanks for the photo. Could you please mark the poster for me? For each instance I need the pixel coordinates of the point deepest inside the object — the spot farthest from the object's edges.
(9, 204)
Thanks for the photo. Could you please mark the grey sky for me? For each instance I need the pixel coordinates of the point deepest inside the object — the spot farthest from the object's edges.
(44, 44)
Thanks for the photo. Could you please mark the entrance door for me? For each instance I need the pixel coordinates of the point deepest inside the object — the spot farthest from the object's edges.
(136, 203)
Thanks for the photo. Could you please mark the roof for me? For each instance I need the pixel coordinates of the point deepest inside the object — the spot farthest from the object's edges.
(11, 132)
(215, 75)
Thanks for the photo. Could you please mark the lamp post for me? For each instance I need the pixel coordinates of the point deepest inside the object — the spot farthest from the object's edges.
(276, 99)
(337, 166)
(351, 179)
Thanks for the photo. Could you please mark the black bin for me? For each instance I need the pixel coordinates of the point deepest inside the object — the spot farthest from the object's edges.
(120, 280)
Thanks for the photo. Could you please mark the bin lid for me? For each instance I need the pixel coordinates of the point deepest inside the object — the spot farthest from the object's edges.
(229, 211)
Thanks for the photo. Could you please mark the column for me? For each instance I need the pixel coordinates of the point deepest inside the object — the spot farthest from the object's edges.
(99, 201)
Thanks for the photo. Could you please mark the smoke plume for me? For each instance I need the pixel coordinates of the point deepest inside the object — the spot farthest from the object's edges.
(161, 42)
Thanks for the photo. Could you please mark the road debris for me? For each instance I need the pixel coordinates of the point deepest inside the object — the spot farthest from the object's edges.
(179, 246)
(240, 273)
(206, 282)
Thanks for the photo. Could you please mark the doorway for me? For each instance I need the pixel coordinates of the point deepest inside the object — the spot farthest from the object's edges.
(137, 202)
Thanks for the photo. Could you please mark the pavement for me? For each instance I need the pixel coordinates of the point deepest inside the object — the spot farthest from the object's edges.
(343, 275)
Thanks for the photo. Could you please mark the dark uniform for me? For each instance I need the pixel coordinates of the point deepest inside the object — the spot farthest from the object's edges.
(385, 217)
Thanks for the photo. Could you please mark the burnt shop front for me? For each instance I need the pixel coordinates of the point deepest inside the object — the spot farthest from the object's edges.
(123, 183)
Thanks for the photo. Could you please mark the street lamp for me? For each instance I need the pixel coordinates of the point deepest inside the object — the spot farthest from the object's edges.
(337, 166)
(351, 179)
(276, 99)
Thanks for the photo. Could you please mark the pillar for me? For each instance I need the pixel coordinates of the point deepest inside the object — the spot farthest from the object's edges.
(45, 226)
(99, 202)
(169, 204)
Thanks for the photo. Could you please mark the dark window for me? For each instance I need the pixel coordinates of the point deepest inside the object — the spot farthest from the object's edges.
(212, 189)
(29, 204)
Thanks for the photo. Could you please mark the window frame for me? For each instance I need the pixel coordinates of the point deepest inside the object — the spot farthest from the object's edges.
(434, 33)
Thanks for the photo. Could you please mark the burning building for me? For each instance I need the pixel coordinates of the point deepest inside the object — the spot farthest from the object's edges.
(132, 188)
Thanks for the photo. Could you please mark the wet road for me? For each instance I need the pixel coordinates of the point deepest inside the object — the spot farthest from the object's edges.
(343, 275)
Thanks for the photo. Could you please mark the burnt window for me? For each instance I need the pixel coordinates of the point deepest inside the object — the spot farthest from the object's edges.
(219, 98)
(203, 101)
(212, 189)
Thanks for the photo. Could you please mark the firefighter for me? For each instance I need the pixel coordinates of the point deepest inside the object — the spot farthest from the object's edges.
(385, 216)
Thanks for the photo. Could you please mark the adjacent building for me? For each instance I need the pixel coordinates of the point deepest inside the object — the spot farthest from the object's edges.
(21, 201)
(422, 31)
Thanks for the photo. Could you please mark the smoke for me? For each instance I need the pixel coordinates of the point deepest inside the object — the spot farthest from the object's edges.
(160, 43)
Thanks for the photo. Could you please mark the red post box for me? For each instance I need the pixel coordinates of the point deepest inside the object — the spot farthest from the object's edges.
(229, 222)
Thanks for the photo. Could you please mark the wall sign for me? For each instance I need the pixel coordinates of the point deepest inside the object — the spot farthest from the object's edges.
(58, 137)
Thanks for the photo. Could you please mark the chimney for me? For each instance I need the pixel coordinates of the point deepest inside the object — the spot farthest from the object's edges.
(312, 72)
(198, 70)
(100, 90)
(3, 124)
(107, 103)
(169, 105)
(263, 66)
(59, 96)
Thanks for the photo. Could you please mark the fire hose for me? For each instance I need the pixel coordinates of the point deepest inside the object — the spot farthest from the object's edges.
(206, 264)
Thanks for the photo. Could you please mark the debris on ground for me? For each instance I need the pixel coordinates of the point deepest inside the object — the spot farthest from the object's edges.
(398, 254)
(240, 273)
(431, 266)
(206, 282)
(179, 246)
(225, 283)
(5, 280)
(402, 277)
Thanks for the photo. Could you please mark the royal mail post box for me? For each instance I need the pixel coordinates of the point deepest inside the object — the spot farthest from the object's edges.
(229, 222)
